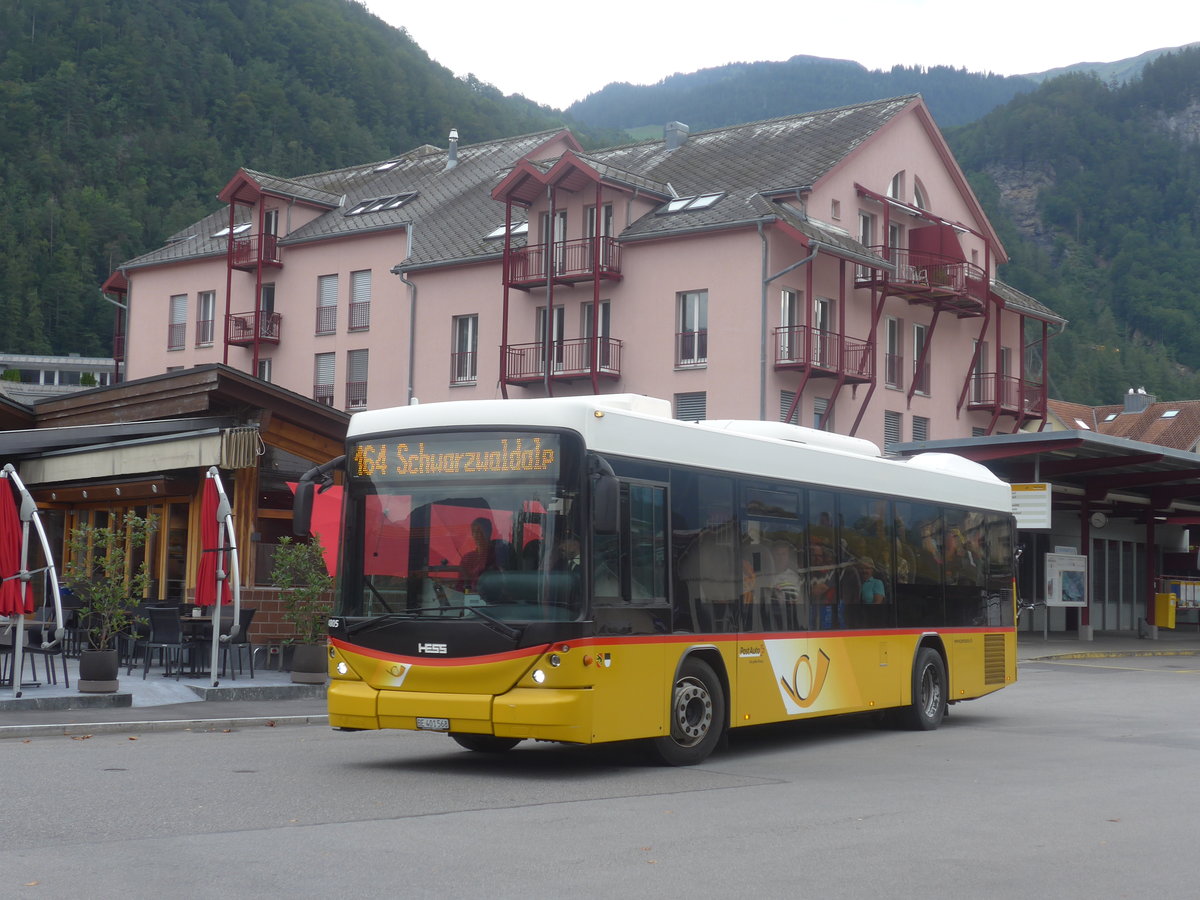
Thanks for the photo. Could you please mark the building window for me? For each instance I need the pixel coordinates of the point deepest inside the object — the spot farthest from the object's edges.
(691, 337)
(896, 187)
(206, 306)
(691, 407)
(264, 370)
(360, 300)
(685, 204)
(920, 201)
(327, 291)
(177, 328)
(464, 358)
(921, 374)
(835, 210)
(920, 428)
(604, 349)
(555, 337)
(978, 375)
(356, 379)
(893, 358)
(820, 411)
(786, 398)
(791, 338)
(323, 369)
(892, 423)
(824, 347)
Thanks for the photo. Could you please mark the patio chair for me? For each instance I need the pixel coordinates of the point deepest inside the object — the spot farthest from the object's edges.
(167, 637)
(238, 644)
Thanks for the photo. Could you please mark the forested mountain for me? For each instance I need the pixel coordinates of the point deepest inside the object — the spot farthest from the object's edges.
(120, 120)
(1095, 189)
(747, 92)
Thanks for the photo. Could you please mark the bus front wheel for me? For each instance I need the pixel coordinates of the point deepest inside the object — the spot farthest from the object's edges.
(929, 692)
(484, 743)
(697, 716)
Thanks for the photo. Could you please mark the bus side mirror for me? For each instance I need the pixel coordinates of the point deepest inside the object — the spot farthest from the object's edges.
(606, 503)
(302, 509)
(303, 503)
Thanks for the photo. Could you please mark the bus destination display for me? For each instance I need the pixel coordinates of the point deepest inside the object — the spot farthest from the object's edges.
(473, 455)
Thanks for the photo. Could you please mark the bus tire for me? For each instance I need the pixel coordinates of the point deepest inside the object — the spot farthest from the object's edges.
(697, 716)
(484, 743)
(930, 691)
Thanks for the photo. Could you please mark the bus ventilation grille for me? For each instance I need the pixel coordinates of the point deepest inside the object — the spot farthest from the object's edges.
(993, 659)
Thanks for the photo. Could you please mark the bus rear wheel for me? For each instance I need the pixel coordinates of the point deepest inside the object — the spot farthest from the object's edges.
(697, 716)
(929, 692)
(485, 743)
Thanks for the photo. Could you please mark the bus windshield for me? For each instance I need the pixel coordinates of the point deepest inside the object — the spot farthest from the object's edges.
(458, 525)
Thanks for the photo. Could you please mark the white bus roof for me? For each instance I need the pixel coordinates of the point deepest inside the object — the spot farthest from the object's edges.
(639, 427)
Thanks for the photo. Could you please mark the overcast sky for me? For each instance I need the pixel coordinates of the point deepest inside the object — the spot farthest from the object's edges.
(559, 53)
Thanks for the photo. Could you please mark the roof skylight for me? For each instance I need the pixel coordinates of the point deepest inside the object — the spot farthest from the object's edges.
(517, 228)
(687, 204)
(1170, 414)
(237, 229)
(380, 204)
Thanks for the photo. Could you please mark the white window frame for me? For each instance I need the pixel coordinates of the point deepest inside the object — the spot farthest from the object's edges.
(327, 297)
(691, 321)
(464, 360)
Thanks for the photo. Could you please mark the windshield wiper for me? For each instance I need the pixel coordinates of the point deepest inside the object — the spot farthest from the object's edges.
(491, 621)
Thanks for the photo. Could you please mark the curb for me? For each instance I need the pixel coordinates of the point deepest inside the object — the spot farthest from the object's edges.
(1110, 654)
(86, 729)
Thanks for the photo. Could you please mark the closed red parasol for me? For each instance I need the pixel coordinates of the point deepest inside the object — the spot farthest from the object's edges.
(218, 569)
(15, 600)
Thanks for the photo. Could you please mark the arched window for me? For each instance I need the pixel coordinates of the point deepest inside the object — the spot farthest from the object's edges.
(896, 188)
(920, 201)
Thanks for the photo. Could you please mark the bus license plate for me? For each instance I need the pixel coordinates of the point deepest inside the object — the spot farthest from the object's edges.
(433, 724)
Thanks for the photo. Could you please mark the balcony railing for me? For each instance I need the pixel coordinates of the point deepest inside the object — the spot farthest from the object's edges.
(239, 328)
(569, 359)
(356, 395)
(825, 352)
(326, 320)
(360, 315)
(204, 332)
(954, 284)
(691, 348)
(176, 333)
(463, 367)
(1009, 394)
(251, 249)
(570, 261)
(323, 393)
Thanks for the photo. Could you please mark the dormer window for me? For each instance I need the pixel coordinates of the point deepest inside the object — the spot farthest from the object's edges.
(517, 229)
(380, 204)
(688, 204)
(237, 229)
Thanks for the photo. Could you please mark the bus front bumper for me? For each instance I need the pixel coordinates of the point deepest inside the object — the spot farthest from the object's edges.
(545, 714)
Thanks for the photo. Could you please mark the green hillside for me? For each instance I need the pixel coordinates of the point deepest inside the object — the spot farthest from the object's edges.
(120, 120)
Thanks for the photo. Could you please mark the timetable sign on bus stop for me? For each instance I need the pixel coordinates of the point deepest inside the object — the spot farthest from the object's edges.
(1031, 505)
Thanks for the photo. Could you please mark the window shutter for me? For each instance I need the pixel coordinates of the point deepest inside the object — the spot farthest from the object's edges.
(691, 407)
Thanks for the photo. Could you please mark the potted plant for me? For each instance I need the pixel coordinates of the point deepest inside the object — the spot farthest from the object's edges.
(100, 571)
(305, 587)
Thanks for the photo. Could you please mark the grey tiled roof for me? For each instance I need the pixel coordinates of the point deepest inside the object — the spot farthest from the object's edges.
(453, 209)
(1019, 300)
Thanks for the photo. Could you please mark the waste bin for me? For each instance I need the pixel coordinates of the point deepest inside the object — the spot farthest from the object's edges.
(1164, 610)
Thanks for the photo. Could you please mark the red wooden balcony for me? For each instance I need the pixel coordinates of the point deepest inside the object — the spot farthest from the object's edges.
(921, 277)
(251, 249)
(240, 331)
(827, 354)
(571, 262)
(569, 360)
(1007, 395)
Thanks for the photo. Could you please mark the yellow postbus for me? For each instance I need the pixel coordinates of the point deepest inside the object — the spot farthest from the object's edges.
(589, 569)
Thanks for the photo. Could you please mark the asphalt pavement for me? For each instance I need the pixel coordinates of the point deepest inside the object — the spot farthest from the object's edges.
(270, 700)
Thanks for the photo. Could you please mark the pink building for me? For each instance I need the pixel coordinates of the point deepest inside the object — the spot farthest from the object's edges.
(832, 268)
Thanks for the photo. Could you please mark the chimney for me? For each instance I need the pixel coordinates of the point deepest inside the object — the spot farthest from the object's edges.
(1138, 401)
(675, 134)
(452, 156)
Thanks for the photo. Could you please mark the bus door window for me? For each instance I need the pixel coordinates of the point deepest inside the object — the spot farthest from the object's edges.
(998, 547)
(772, 535)
(826, 572)
(919, 549)
(867, 546)
(704, 536)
